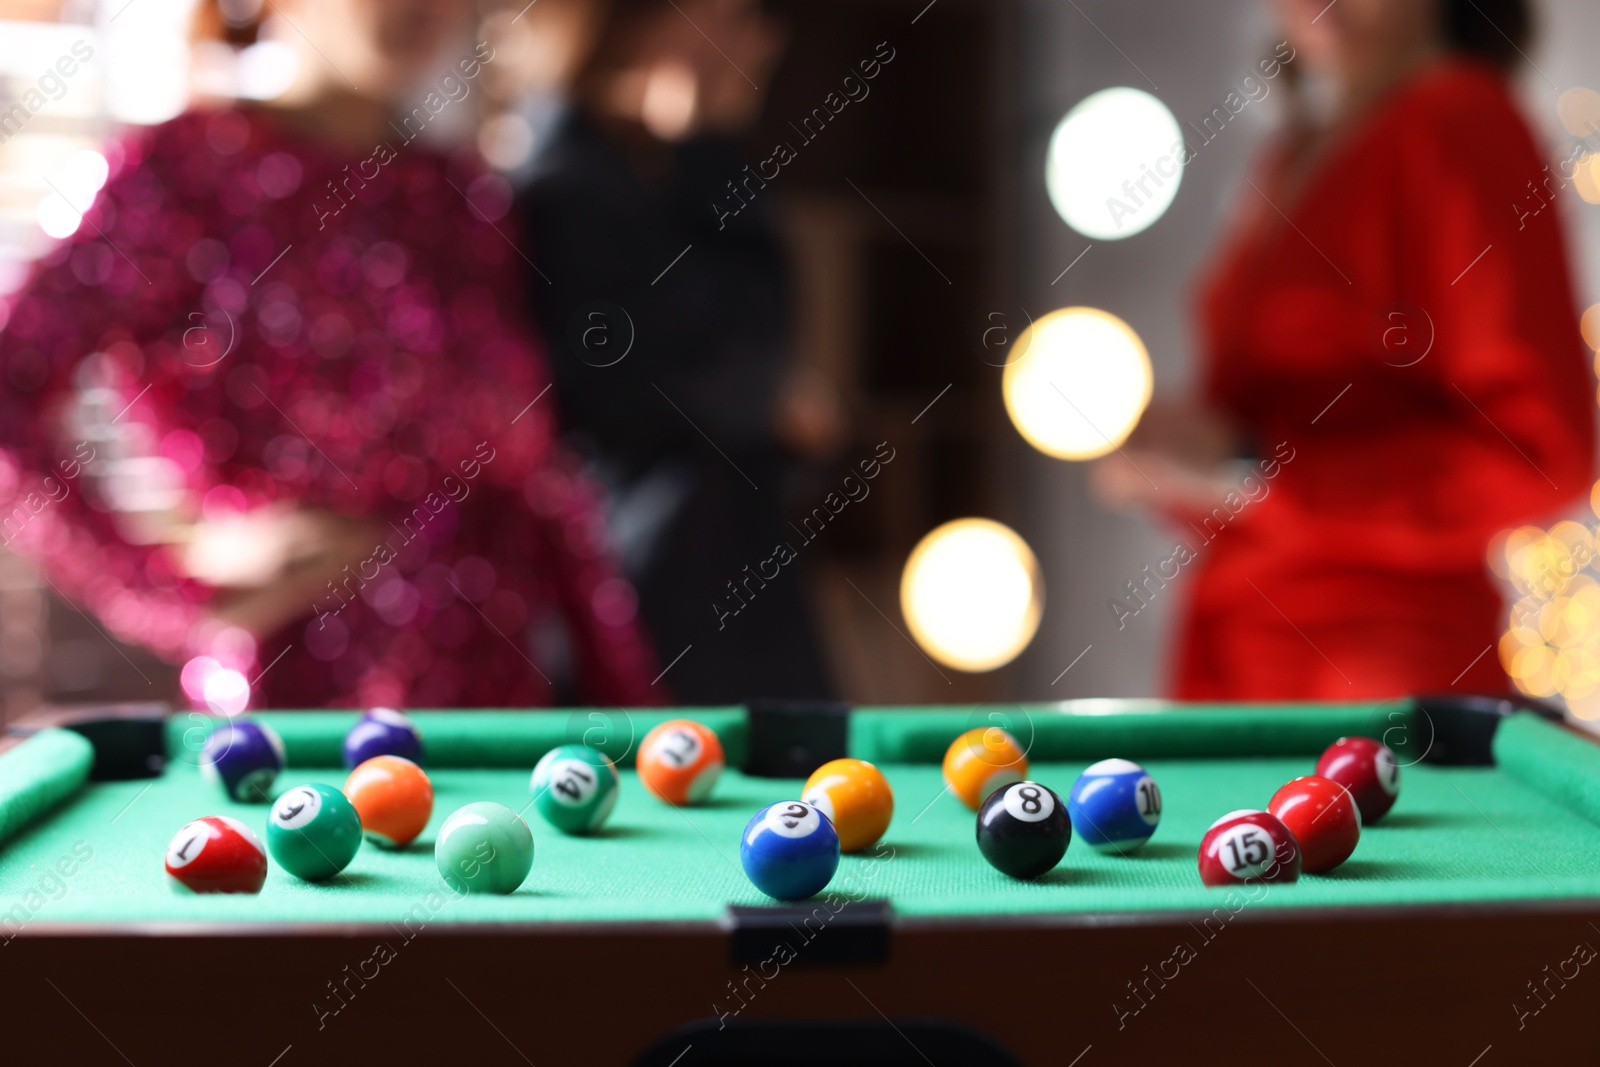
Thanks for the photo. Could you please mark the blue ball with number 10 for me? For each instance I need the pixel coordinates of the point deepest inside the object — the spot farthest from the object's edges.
(1114, 806)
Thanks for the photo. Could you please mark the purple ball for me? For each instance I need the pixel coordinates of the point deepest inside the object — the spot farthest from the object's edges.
(246, 756)
(382, 732)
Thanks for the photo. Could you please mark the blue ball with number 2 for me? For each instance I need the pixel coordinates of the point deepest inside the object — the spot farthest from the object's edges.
(789, 850)
(1114, 806)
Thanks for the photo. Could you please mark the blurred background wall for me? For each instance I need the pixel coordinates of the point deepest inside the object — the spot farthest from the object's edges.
(1191, 56)
(919, 226)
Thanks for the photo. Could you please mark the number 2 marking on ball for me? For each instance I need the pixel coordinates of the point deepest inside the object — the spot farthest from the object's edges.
(793, 814)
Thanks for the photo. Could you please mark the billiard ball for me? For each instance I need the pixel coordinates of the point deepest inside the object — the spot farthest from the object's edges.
(789, 850)
(393, 797)
(856, 798)
(313, 831)
(1023, 829)
(484, 848)
(1246, 844)
(982, 760)
(382, 732)
(574, 788)
(1115, 806)
(244, 755)
(216, 854)
(1323, 818)
(1368, 769)
(680, 761)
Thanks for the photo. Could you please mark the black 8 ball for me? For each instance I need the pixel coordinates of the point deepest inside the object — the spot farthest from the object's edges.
(1023, 829)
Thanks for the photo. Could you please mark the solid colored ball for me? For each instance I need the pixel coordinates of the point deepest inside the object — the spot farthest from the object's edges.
(313, 831)
(1324, 819)
(680, 761)
(982, 760)
(216, 854)
(484, 848)
(246, 756)
(394, 799)
(789, 850)
(1248, 845)
(382, 732)
(1115, 806)
(574, 788)
(1023, 830)
(1368, 769)
(856, 798)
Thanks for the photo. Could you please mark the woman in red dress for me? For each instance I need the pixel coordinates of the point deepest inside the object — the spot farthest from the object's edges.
(1390, 331)
(275, 405)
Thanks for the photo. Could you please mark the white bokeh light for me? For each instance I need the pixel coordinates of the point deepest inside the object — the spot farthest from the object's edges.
(1115, 163)
(226, 691)
(1080, 384)
(971, 594)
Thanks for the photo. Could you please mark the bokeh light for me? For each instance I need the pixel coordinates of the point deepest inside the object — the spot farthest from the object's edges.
(1579, 110)
(1586, 177)
(1114, 163)
(1080, 384)
(972, 595)
(1590, 326)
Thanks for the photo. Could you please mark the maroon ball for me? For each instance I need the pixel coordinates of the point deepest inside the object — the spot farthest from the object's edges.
(1368, 769)
(1248, 845)
(1323, 818)
(216, 854)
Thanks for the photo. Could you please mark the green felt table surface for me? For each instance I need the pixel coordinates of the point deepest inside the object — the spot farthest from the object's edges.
(1455, 835)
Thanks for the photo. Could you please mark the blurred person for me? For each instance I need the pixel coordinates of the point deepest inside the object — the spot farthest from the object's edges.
(668, 320)
(1390, 338)
(283, 408)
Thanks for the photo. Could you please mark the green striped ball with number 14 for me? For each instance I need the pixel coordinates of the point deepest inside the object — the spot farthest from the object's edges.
(575, 788)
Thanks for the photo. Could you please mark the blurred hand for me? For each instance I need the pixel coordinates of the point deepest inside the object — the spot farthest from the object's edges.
(1176, 459)
(273, 563)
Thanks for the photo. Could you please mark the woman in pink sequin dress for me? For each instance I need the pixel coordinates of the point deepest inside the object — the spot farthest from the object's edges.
(276, 403)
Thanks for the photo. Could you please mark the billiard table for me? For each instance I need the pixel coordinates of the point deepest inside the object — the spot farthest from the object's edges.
(1458, 933)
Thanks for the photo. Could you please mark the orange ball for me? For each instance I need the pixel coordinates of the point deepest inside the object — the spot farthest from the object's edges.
(394, 798)
(981, 761)
(680, 761)
(856, 797)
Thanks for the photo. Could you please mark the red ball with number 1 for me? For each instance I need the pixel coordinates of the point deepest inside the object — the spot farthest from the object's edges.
(680, 761)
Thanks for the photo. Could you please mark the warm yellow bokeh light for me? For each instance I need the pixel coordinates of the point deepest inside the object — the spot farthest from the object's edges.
(1590, 325)
(1579, 109)
(1078, 383)
(1586, 177)
(972, 595)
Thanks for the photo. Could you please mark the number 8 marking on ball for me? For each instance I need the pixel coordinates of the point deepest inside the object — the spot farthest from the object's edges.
(1029, 802)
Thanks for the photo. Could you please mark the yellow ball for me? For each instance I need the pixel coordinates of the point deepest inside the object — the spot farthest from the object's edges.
(982, 760)
(856, 797)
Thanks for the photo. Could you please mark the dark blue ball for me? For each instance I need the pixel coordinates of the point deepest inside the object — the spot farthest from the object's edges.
(789, 850)
(1115, 806)
(245, 756)
(382, 732)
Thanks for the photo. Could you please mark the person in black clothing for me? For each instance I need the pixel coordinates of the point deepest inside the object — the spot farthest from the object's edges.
(669, 328)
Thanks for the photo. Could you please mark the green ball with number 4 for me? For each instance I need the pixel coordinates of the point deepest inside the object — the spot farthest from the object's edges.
(575, 788)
